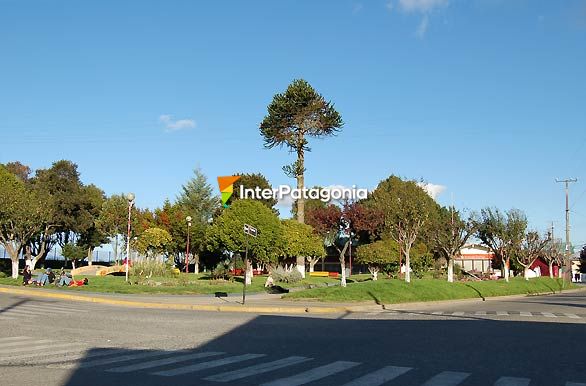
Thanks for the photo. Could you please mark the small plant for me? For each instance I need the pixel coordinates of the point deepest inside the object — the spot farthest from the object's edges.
(221, 272)
(282, 275)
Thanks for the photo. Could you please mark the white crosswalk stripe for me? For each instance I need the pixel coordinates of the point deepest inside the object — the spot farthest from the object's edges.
(437, 313)
(107, 361)
(447, 378)
(512, 381)
(458, 313)
(32, 347)
(549, 315)
(572, 316)
(502, 313)
(480, 313)
(208, 365)
(379, 377)
(257, 369)
(179, 357)
(525, 313)
(313, 374)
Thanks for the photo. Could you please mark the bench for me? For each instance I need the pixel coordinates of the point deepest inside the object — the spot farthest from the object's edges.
(319, 273)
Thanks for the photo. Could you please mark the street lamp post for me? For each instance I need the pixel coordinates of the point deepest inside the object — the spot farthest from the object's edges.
(188, 219)
(130, 197)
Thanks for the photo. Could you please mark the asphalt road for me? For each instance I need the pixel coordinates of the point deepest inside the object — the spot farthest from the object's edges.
(523, 341)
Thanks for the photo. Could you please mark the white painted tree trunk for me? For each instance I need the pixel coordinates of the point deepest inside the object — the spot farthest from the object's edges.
(451, 270)
(312, 265)
(407, 266)
(526, 273)
(373, 273)
(15, 269)
(301, 265)
(90, 257)
(196, 263)
(343, 266)
(506, 271)
(248, 272)
(550, 264)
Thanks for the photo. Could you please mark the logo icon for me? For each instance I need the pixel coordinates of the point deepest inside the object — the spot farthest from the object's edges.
(226, 184)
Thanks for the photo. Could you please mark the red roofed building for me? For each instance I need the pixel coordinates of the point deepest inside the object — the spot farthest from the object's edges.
(475, 258)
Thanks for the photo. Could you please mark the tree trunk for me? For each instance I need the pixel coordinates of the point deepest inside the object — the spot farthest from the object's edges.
(550, 265)
(312, 263)
(248, 272)
(407, 265)
(89, 256)
(73, 264)
(116, 250)
(526, 273)
(506, 270)
(323, 264)
(300, 202)
(195, 263)
(374, 273)
(301, 265)
(15, 268)
(451, 270)
(343, 266)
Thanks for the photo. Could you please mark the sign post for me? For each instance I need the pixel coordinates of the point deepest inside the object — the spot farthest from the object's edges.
(249, 230)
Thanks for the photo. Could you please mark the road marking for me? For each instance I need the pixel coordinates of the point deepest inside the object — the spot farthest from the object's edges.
(84, 355)
(380, 376)
(57, 310)
(459, 313)
(480, 313)
(33, 348)
(20, 312)
(180, 357)
(2, 317)
(447, 378)
(207, 365)
(572, 316)
(27, 342)
(313, 374)
(548, 315)
(13, 338)
(51, 353)
(525, 313)
(502, 313)
(107, 361)
(257, 369)
(512, 381)
(437, 313)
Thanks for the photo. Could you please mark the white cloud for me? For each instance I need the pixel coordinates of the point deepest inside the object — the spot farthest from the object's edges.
(422, 27)
(432, 189)
(175, 125)
(421, 6)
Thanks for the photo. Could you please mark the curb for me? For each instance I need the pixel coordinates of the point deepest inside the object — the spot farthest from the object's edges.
(176, 306)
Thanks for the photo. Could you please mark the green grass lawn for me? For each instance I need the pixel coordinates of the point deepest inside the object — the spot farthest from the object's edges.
(397, 291)
(184, 284)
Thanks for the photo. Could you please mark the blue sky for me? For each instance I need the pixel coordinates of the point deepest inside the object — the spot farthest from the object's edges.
(483, 97)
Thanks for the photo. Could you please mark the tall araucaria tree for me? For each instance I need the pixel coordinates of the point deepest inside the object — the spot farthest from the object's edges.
(294, 116)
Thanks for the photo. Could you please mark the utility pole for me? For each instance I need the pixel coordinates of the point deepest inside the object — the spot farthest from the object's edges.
(568, 267)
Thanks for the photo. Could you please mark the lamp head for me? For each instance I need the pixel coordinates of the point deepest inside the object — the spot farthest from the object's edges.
(130, 196)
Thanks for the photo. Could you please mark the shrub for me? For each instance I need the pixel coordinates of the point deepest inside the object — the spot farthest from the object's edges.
(150, 268)
(282, 275)
(222, 271)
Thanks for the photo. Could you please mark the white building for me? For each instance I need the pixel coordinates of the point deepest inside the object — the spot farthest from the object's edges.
(475, 258)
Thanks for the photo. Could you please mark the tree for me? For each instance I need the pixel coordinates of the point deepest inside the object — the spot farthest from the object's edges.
(23, 213)
(92, 236)
(583, 260)
(553, 253)
(153, 242)
(21, 171)
(377, 255)
(227, 233)
(531, 248)
(451, 234)
(300, 240)
(113, 219)
(197, 201)
(294, 116)
(340, 228)
(72, 213)
(252, 181)
(407, 208)
(502, 233)
(73, 252)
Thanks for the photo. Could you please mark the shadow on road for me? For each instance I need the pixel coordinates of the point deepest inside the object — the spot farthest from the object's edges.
(486, 349)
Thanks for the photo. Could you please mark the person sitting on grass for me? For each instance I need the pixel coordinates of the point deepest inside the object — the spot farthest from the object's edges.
(64, 279)
(45, 278)
(78, 283)
(27, 276)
